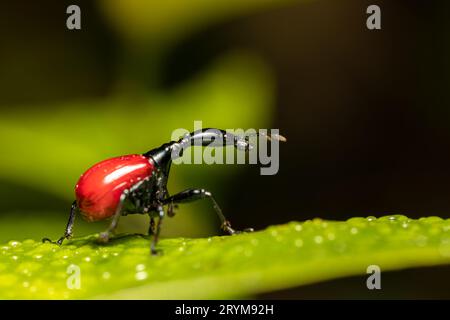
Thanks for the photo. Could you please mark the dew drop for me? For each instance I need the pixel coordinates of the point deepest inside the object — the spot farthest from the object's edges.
(141, 275)
(14, 243)
(318, 239)
(444, 247)
(87, 259)
(299, 243)
(331, 236)
(298, 227)
(106, 275)
(354, 230)
(371, 218)
(140, 267)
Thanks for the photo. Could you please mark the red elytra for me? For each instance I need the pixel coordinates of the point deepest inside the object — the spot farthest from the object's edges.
(99, 189)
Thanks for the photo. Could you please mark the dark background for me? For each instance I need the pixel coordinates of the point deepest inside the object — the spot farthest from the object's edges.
(366, 113)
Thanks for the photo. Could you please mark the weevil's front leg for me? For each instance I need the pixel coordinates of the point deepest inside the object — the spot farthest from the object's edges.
(106, 235)
(68, 232)
(157, 231)
(190, 195)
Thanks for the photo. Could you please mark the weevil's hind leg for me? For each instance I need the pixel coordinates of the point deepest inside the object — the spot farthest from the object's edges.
(106, 235)
(190, 195)
(157, 231)
(69, 227)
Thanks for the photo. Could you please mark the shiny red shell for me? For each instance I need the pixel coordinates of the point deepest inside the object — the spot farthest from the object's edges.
(99, 189)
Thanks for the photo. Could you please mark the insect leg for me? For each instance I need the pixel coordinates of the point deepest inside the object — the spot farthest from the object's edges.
(190, 195)
(69, 227)
(105, 235)
(157, 231)
(151, 228)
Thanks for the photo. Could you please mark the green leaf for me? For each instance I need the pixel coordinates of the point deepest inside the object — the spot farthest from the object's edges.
(222, 267)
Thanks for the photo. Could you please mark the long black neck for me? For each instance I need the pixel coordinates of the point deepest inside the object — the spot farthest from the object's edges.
(164, 155)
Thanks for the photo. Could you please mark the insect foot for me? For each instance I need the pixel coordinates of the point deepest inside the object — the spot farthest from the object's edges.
(104, 237)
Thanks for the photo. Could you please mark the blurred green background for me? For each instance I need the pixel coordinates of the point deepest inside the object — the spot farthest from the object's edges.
(366, 113)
